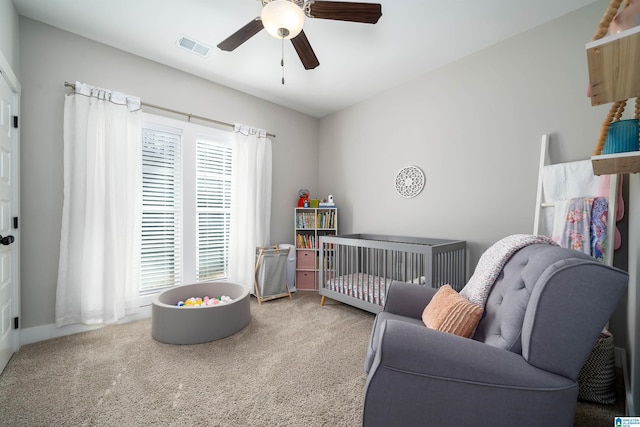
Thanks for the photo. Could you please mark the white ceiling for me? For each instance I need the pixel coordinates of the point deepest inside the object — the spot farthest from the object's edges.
(356, 60)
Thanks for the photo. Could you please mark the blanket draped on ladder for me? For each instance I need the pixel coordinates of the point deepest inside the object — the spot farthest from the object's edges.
(581, 224)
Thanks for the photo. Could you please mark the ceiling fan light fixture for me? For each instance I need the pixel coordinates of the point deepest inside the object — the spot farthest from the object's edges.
(282, 19)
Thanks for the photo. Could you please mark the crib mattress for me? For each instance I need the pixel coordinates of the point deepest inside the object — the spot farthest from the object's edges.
(367, 287)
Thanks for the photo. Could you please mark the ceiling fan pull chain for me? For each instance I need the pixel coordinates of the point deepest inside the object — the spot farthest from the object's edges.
(282, 60)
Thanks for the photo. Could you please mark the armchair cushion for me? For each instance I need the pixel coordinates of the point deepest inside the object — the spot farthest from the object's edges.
(508, 301)
(450, 312)
(408, 300)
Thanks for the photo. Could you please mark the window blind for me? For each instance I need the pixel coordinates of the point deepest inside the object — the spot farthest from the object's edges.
(213, 208)
(161, 209)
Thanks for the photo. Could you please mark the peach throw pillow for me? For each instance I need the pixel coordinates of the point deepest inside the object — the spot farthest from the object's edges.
(450, 312)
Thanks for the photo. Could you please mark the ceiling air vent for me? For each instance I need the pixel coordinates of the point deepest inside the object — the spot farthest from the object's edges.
(193, 45)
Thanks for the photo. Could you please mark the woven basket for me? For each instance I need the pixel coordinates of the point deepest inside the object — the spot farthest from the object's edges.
(616, 135)
(597, 378)
(622, 137)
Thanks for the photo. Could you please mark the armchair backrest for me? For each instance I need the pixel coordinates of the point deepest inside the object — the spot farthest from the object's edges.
(549, 304)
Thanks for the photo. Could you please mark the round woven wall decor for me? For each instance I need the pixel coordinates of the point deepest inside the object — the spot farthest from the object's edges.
(409, 181)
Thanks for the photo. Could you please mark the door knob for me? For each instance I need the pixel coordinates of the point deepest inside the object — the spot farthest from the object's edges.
(7, 240)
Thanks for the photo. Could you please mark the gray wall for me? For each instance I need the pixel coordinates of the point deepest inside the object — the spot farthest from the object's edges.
(49, 57)
(474, 128)
(9, 34)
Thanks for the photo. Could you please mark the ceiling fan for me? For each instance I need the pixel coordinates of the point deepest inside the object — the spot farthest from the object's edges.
(284, 19)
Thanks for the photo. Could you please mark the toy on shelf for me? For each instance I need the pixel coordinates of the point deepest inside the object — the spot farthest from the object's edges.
(328, 202)
(303, 198)
(304, 201)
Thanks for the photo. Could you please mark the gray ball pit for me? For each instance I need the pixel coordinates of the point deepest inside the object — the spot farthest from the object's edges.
(194, 325)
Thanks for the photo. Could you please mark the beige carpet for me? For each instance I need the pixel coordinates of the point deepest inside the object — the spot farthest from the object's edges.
(295, 364)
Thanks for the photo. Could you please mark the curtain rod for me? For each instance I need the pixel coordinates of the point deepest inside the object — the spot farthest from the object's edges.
(190, 116)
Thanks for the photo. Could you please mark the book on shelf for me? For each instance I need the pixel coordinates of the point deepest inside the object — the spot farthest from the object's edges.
(306, 241)
(326, 219)
(305, 220)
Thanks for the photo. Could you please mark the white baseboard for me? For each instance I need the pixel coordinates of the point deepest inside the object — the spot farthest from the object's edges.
(47, 332)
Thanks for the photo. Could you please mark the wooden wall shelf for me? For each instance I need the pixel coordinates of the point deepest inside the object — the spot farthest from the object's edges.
(614, 67)
(608, 164)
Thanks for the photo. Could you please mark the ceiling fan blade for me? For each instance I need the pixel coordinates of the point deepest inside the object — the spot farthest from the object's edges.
(305, 52)
(242, 35)
(367, 13)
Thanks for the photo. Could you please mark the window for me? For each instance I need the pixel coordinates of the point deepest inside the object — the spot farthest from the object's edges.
(213, 189)
(161, 208)
(186, 203)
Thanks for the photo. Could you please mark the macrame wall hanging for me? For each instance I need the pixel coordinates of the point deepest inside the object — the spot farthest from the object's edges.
(409, 181)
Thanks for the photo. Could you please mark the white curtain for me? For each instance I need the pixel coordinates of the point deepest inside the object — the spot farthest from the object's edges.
(250, 202)
(98, 273)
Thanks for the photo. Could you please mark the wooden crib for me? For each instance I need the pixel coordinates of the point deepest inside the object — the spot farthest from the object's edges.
(357, 269)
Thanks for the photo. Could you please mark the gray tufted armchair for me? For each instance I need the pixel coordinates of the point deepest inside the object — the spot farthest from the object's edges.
(541, 321)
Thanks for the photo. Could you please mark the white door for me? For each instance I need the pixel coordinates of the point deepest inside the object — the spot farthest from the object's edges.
(8, 336)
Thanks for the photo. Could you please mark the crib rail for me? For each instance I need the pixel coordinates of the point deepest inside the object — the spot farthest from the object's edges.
(357, 269)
